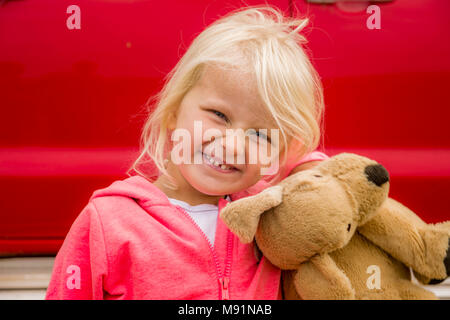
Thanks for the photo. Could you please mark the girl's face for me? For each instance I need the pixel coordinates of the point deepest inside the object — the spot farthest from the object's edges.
(220, 163)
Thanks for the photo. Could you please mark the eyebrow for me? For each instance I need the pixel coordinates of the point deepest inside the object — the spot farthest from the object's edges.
(212, 104)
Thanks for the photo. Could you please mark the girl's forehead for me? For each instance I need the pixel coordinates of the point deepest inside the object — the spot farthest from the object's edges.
(228, 78)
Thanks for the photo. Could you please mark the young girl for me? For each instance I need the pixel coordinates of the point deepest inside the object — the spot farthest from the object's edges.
(160, 237)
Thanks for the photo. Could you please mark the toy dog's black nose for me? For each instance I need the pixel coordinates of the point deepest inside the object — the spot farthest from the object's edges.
(377, 174)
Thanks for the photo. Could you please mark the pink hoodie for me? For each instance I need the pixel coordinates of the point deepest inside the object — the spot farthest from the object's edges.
(130, 242)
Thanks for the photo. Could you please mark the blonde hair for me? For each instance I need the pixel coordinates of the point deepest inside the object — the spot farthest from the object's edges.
(255, 39)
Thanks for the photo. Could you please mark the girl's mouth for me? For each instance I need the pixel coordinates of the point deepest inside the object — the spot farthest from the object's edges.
(219, 166)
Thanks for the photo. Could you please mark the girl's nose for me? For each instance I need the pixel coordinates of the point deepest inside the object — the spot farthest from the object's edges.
(234, 147)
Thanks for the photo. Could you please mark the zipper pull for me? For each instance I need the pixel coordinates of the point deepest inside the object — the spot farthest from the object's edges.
(224, 283)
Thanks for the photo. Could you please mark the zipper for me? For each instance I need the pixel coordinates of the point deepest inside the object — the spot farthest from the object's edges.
(224, 283)
(225, 280)
(222, 278)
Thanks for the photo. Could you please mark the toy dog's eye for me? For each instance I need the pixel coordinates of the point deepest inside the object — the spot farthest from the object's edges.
(318, 176)
(349, 227)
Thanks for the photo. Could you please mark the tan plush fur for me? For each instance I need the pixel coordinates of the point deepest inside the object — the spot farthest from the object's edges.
(336, 234)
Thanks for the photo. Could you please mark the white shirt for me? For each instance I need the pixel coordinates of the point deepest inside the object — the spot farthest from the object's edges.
(204, 215)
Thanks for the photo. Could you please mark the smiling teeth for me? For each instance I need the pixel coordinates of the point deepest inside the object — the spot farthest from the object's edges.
(217, 164)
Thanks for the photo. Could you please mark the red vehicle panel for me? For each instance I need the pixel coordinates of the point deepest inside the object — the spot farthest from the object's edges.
(72, 100)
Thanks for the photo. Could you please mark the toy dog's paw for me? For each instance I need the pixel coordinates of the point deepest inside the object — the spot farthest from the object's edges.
(447, 266)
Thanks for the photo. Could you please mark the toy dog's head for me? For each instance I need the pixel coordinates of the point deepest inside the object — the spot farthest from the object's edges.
(311, 212)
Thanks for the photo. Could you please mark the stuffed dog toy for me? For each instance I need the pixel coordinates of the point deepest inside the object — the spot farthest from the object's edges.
(336, 234)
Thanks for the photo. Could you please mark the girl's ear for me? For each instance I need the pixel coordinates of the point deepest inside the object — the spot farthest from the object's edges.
(242, 216)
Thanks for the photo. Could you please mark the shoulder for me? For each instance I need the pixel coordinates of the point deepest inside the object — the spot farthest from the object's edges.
(128, 200)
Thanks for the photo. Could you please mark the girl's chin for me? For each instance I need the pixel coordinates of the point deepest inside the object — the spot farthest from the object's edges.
(216, 191)
(214, 187)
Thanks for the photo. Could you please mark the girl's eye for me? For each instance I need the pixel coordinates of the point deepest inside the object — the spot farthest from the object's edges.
(220, 115)
(260, 134)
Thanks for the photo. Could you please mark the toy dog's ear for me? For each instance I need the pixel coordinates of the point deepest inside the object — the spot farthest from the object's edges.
(242, 216)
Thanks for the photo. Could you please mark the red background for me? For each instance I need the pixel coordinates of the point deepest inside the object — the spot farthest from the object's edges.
(72, 100)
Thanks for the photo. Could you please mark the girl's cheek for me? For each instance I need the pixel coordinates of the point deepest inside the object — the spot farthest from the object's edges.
(261, 152)
(252, 174)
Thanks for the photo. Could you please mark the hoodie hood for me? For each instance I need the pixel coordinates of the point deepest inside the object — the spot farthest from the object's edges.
(135, 187)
